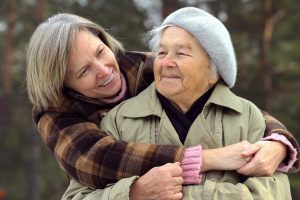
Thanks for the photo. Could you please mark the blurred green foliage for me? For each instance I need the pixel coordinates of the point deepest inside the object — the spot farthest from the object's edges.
(29, 171)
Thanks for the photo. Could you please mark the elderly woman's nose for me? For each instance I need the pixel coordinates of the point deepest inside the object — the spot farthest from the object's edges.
(168, 61)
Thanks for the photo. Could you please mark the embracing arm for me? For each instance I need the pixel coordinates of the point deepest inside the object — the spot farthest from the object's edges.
(92, 157)
(149, 186)
(86, 153)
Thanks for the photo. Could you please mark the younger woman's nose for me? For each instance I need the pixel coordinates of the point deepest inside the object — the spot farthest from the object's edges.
(102, 70)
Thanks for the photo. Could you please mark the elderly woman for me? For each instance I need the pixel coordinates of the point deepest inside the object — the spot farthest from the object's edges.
(191, 103)
(89, 75)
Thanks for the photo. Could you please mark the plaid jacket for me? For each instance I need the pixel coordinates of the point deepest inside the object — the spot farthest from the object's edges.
(94, 158)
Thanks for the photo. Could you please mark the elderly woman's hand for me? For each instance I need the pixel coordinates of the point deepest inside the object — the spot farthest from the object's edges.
(266, 160)
(161, 183)
(231, 157)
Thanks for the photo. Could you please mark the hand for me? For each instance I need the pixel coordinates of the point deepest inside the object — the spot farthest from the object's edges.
(266, 160)
(161, 183)
(231, 157)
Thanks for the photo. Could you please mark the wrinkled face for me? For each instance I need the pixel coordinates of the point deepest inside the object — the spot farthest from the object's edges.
(182, 68)
(93, 68)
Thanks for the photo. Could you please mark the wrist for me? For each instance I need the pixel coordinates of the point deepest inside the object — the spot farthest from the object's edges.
(133, 190)
(208, 160)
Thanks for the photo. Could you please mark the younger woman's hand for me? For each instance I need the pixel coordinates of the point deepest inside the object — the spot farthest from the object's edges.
(266, 160)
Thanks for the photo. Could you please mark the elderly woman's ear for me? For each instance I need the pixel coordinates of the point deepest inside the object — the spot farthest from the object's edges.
(215, 76)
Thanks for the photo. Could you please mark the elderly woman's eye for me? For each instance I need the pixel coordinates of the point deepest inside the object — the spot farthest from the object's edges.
(181, 53)
(161, 53)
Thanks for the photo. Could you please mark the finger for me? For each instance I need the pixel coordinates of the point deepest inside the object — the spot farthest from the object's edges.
(177, 196)
(248, 158)
(251, 150)
(247, 169)
(168, 164)
(246, 153)
(244, 171)
(177, 188)
(177, 181)
(175, 170)
(172, 164)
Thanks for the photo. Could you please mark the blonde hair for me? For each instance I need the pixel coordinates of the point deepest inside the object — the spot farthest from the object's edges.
(48, 56)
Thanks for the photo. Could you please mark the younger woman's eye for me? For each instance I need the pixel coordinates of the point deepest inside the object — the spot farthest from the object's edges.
(99, 53)
(83, 72)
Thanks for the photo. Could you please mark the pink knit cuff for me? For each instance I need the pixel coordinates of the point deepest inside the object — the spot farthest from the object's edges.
(191, 165)
(292, 153)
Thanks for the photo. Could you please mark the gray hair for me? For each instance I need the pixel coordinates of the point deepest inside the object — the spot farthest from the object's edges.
(153, 39)
(48, 56)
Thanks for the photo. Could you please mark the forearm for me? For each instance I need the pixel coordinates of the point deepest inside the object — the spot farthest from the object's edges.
(227, 158)
(107, 160)
(95, 159)
(275, 126)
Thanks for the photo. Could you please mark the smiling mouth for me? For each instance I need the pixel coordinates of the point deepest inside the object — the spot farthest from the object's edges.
(170, 77)
(108, 81)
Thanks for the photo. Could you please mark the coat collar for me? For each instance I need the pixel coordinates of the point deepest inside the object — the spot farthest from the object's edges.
(224, 97)
(150, 105)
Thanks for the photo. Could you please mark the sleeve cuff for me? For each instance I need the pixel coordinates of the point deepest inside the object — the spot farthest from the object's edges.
(191, 164)
(121, 189)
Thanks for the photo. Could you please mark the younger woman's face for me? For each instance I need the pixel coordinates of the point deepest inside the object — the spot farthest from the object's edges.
(93, 68)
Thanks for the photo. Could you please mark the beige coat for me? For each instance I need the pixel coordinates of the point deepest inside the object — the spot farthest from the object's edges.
(226, 119)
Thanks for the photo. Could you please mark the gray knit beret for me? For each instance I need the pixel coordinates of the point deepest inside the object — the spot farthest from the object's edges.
(213, 37)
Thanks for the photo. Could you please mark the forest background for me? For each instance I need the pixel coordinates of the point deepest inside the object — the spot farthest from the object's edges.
(265, 34)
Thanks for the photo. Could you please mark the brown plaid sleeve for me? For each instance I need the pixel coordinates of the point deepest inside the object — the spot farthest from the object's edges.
(92, 157)
(275, 126)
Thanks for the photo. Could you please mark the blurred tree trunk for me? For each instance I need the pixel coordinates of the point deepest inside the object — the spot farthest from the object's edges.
(39, 11)
(216, 7)
(5, 99)
(264, 65)
(10, 15)
(269, 19)
(33, 160)
(169, 6)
